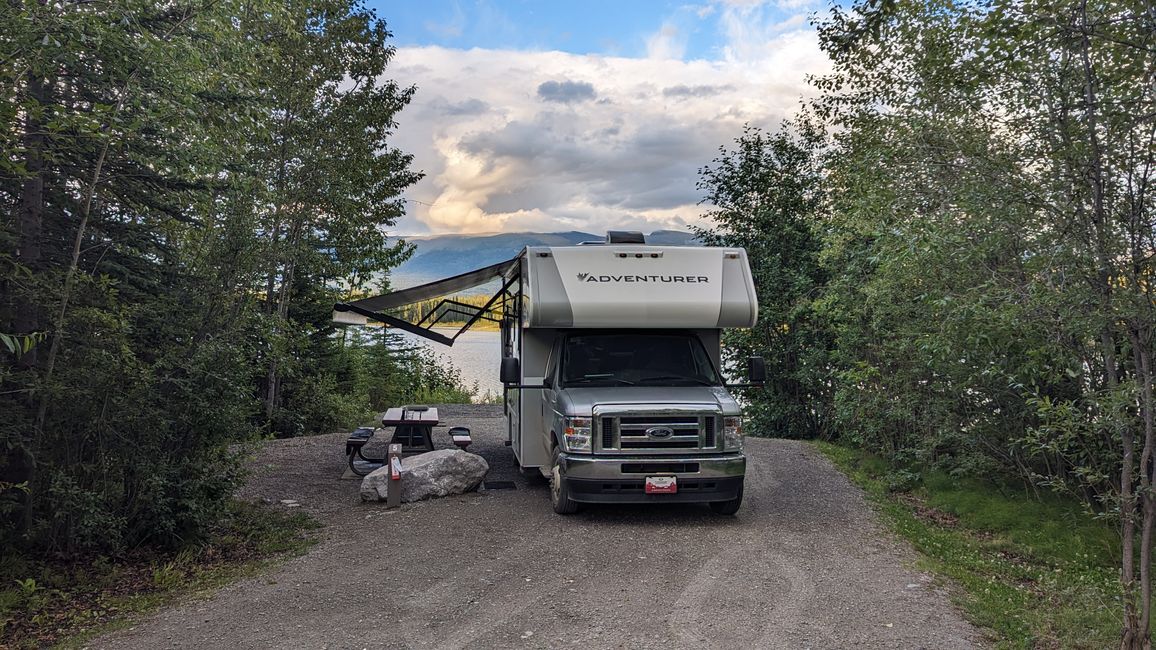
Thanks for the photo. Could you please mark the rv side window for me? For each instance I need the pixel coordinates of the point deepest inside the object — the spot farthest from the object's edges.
(643, 358)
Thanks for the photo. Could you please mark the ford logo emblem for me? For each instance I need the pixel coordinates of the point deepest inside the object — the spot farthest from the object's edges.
(659, 432)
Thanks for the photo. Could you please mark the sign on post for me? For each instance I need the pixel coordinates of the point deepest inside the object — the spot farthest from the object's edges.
(393, 491)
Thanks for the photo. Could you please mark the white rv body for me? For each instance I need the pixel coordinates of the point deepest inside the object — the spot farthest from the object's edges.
(623, 286)
(636, 286)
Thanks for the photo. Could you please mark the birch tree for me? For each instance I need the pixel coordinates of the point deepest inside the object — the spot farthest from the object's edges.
(1019, 137)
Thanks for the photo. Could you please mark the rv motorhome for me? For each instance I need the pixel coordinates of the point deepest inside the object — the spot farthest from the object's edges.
(611, 361)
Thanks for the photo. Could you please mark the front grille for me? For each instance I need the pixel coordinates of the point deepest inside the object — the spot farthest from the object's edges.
(659, 468)
(656, 432)
(652, 420)
(653, 444)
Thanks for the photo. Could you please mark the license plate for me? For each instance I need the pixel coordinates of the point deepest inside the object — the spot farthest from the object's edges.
(661, 484)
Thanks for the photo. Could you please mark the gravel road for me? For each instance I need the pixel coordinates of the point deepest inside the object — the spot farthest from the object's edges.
(803, 565)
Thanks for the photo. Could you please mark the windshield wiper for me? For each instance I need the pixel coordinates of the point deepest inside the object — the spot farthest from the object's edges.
(590, 378)
(697, 380)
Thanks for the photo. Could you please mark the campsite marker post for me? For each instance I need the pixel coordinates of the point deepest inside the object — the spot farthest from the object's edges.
(393, 460)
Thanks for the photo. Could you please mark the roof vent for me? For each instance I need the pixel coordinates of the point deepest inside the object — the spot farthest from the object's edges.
(624, 237)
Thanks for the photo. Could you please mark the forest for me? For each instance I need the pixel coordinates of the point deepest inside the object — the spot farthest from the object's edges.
(187, 190)
(953, 245)
(954, 251)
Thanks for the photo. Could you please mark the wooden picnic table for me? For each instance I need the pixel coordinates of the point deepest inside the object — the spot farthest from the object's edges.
(412, 429)
(413, 426)
(405, 415)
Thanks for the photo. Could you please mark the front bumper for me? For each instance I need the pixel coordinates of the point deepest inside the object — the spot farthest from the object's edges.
(701, 479)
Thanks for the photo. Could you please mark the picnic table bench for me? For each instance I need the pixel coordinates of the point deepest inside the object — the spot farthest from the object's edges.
(412, 429)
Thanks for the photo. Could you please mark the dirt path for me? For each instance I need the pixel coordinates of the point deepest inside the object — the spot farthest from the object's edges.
(803, 565)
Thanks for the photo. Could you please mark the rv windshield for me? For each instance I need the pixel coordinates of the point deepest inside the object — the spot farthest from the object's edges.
(636, 359)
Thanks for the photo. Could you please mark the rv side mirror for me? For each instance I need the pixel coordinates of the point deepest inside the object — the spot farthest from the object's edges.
(756, 370)
(547, 382)
(511, 372)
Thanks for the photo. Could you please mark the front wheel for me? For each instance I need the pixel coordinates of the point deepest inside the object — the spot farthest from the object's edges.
(728, 507)
(559, 491)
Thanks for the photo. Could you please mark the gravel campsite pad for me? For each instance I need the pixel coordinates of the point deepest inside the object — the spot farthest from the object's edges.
(802, 565)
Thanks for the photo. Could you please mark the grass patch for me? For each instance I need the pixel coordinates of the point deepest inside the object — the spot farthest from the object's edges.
(1036, 573)
(57, 602)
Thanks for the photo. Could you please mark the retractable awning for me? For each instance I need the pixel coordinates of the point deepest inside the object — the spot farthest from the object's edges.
(360, 312)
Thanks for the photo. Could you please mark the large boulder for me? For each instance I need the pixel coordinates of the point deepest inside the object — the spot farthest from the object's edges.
(432, 474)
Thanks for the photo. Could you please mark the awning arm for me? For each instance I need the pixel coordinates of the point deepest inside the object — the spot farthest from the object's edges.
(443, 287)
(373, 307)
(396, 322)
(485, 308)
(454, 307)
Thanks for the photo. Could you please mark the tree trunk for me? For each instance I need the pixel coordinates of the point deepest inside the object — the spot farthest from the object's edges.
(1140, 340)
(1127, 508)
(270, 290)
(1132, 637)
(292, 241)
(30, 215)
(271, 380)
(19, 462)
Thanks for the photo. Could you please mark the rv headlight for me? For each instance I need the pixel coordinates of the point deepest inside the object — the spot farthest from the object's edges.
(733, 431)
(576, 434)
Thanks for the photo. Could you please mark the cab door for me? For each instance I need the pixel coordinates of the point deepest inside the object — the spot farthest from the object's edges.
(512, 347)
(549, 393)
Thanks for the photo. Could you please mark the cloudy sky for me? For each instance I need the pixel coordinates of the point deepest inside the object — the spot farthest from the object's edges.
(545, 116)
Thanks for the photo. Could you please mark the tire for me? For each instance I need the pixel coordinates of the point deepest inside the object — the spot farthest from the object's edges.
(728, 507)
(559, 492)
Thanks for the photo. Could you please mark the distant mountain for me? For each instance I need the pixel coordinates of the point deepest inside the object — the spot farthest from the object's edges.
(443, 256)
(672, 238)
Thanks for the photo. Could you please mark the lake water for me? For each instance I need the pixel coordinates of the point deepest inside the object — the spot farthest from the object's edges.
(476, 354)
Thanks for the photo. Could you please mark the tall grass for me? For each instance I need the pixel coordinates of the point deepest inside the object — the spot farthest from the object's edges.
(1035, 572)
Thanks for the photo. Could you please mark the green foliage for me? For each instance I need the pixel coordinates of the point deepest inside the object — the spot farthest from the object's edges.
(45, 601)
(975, 274)
(1034, 572)
(766, 198)
(333, 185)
(20, 345)
(186, 191)
(488, 397)
(390, 372)
(979, 299)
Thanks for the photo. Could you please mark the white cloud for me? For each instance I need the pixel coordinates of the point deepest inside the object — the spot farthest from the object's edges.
(753, 35)
(669, 42)
(795, 5)
(547, 141)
